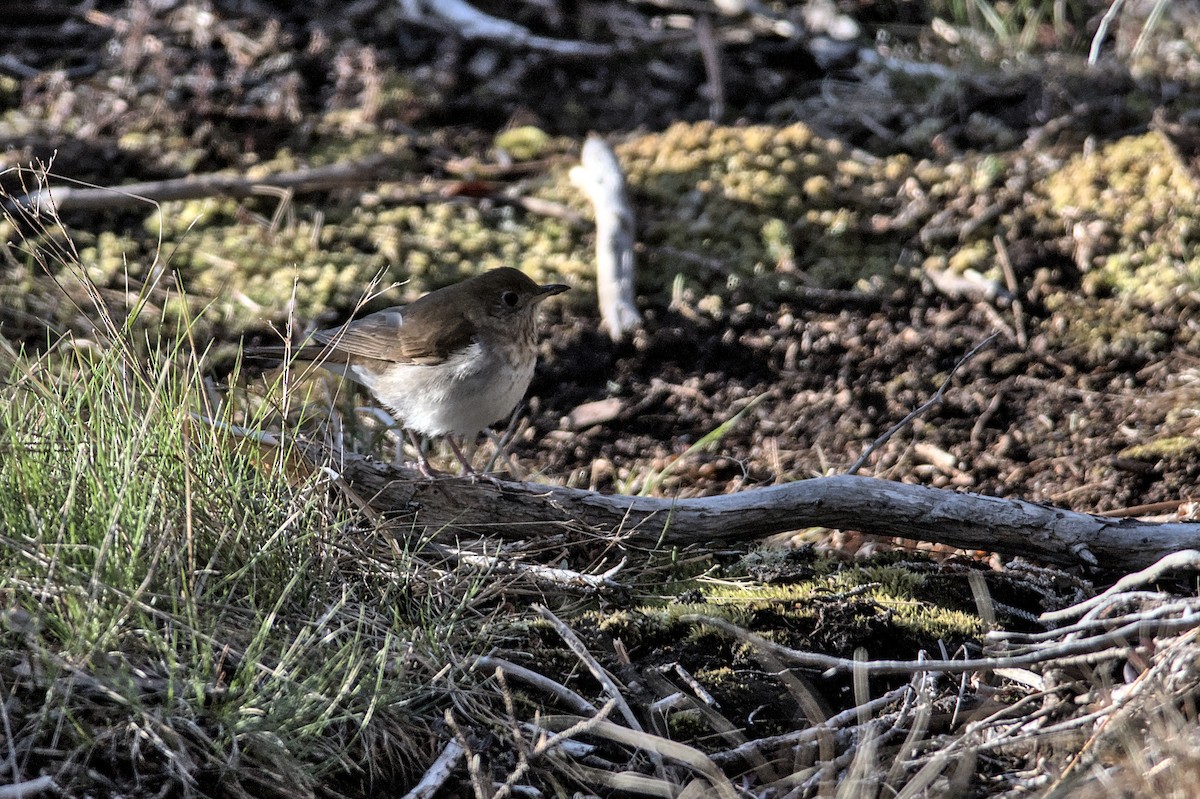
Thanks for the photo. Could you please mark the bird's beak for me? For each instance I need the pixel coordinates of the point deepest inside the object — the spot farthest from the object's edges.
(550, 290)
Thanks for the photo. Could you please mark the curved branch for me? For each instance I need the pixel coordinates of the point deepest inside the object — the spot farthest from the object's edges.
(865, 504)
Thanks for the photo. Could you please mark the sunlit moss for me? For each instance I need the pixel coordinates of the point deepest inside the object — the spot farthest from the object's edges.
(709, 191)
(1166, 447)
(747, 213)
(1135, 201)
(976, 255)
(523, 143)
(1107, 329)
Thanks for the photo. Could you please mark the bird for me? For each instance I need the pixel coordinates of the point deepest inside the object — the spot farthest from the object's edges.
(450, 363)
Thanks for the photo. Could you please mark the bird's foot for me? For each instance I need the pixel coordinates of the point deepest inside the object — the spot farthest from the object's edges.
(477, 477)
(423, 464)
(424, 467)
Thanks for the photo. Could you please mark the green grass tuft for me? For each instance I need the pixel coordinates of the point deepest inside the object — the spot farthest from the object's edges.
(185, 611)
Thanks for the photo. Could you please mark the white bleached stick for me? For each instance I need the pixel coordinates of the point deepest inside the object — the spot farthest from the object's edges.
(599, 176)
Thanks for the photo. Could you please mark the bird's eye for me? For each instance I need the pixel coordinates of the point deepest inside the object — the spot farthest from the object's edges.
(510, 299)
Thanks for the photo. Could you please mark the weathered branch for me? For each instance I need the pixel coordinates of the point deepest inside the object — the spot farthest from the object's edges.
(440, 771)
(473, 25)
(599, 176)
(365, 171)
(864, 504)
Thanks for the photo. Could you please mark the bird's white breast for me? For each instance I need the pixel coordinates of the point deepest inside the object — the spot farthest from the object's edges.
(469, 391)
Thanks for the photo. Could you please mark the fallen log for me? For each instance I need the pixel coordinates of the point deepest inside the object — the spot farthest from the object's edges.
(458, 506)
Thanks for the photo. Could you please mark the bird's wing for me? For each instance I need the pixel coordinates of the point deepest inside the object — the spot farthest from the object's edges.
(390, 335)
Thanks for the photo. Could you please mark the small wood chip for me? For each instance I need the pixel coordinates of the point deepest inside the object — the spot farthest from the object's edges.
(592, 413)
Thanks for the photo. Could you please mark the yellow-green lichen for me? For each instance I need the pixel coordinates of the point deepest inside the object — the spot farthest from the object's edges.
(1105, 329)
(523, 143)
(1135, 206)
(1166, 447)
(763, 203)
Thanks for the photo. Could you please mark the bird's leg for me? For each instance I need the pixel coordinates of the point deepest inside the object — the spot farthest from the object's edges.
(467, 469)
(425, 467)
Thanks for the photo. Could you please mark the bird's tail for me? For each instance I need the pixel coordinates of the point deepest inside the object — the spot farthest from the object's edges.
(303, 361)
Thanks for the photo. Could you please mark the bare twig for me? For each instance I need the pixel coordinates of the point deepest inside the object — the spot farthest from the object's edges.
(547, 744)
(21, 790)
(1108, 645)
(14, 770)
(654, 744)
(437, 773)
(1102, 31)
(580, 651)
(710, 53)
(556, 689)
(91, 197)
(1010, 280)
(932, 402)
(479, 781)
(548, 576)
(472, 24)
(1188, 559)
(810, 734)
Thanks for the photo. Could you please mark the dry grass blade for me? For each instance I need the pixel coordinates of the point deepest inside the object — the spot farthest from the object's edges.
(564, 694)
(673, 750)
(577, 647)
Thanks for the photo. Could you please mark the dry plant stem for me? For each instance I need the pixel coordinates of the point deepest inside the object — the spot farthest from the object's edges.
(599, 176)
(546, 744)
(572, 700)
(1010, 280)
(367, 171)
(520, 745)
(566, 580)
(1130, 708)
(1149, 509)
(440, 771)
(869, 505)
(828, 772)
(1109, 645)
(474, 771)
(14, 770)
(810, 706)
(710, 53)
(659, 746)
(593, 666)
(1187, 559)
(923, 683)
(1017, 641)
(597, 671)
(1102, 31)
(21, 790)
(630, 782)
(809, 735)
(932, 402)
(1008, 720)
